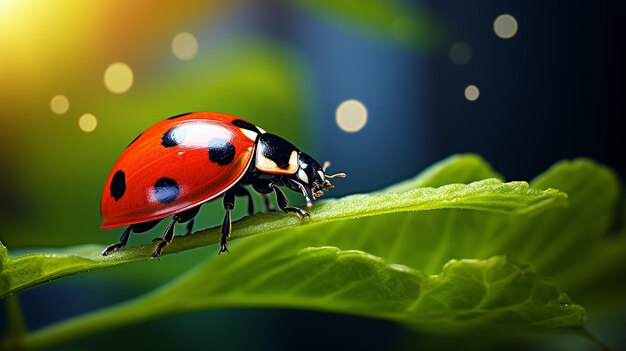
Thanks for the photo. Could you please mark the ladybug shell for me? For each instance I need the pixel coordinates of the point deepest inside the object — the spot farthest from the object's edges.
(175, 165)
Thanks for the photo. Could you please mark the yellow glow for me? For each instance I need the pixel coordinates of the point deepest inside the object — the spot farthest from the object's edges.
(351, 116)
(87, 122)
(6, 4)
(59, 104)
(460, 53)
(472, 93)
(118, 78)
(37, 41)
(505, 26)
(185, 46)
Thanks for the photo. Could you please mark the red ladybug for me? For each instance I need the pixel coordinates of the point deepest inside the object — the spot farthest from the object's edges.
(178, 164)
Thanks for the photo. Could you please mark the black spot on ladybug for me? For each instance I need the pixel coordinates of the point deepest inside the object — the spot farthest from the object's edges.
(174, 136)
(181, 115)
(245, 125)
(118, 185)
(221, 151)
(166, 190)
(167, 139)
(276, 149)
(137, 137)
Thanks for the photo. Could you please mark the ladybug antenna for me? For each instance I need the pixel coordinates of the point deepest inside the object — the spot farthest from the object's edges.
(338, 175)
(325, 166)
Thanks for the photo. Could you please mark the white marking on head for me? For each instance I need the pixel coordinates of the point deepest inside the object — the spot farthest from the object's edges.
(321, 174)
(302, 175)
(261, 130)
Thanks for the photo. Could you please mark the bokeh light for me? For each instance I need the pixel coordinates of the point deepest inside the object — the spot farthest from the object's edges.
(472, 93)
(59, 104)
(505, 26)
(87, 122)
(460, 53)
(118, 78)
(185, 46)
(351, 116)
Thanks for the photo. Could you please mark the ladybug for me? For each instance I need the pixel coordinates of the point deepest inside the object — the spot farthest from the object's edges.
(180, 163)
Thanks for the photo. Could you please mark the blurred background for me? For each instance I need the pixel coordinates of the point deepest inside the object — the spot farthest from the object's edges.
(380, 88)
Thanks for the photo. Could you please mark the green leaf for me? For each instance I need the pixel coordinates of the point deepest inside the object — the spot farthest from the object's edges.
(490, 293)
(488, 195)
(586, 250)
(577, 245)
(263, 268)
(493, 293)
(572, 245)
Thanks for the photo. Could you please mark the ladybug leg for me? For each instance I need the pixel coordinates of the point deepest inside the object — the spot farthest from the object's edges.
(121, 244)
(168, 235)
(306, 193)
(229, 204)
(190, 226)
(264, 187)
(281, 199)
(241, 191)
(134, 228)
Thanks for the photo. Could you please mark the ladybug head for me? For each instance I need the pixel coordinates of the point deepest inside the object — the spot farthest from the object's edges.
(312, 176)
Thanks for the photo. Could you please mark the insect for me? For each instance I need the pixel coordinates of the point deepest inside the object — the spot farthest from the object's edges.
(180, 163)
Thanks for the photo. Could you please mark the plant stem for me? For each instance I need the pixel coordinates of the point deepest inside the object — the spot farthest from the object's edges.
(16, 325)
